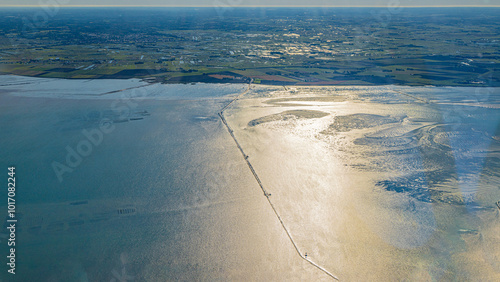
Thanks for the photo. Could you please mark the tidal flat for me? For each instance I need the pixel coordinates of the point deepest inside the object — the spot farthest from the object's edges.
(373, 183)
(381, 183)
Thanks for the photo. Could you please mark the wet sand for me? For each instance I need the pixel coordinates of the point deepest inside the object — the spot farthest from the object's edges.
(170, 197)
(328, 186)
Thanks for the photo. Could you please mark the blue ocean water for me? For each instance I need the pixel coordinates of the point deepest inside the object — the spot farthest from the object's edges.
(143, 189)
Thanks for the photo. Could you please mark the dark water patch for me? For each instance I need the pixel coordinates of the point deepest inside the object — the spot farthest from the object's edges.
(277, 82)
(79, 203)
(206, 79)
(414, 187)
(440, 185)
(125, 74)
(95, 118)
(430, 186)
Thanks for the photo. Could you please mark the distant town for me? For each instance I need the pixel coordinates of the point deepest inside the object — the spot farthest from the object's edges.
(293, 46)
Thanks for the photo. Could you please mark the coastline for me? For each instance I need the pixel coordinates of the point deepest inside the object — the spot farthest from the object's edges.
(246, 80)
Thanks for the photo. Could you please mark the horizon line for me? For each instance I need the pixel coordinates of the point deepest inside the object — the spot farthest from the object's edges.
(247, 6)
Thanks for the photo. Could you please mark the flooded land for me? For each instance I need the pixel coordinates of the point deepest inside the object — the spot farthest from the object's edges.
(124, 179)
(381, 183)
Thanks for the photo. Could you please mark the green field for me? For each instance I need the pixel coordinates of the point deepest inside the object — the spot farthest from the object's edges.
(332, 49)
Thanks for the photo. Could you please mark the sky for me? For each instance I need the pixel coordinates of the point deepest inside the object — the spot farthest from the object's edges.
(259, 3)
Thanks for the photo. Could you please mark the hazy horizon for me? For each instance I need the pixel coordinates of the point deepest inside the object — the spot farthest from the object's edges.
(252, 3)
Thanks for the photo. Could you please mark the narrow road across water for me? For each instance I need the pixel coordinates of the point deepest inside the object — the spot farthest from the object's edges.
(266, 194)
